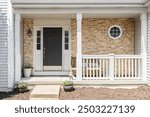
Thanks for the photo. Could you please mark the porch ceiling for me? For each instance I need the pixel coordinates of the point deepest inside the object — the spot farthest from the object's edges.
(85, 15)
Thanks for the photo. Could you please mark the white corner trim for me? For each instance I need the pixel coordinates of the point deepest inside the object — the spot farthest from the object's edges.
(144, 44)
(10, 50)
(17, 48)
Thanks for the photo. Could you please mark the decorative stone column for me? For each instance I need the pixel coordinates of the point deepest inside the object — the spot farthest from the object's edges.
(144, 44)
(17, 48)
(79, 47)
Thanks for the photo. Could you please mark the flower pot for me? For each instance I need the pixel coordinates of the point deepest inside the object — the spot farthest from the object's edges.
(68, 87)
(27, 72)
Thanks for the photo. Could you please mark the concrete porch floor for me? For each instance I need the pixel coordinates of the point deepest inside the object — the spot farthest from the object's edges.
(48, 88)
(57, 80)
(44, 80)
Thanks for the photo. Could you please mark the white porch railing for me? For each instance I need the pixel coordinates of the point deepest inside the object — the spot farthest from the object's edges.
(111, 67)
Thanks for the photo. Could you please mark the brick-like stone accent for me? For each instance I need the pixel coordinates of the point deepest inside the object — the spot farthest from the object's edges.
(28, 42)
(95, 38)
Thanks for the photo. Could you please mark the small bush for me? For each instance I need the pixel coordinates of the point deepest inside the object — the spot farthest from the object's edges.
(21, 87)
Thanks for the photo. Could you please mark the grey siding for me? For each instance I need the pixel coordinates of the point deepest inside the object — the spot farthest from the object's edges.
(3, 45)
(148, 50)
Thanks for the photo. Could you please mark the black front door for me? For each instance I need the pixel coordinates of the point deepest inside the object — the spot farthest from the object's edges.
(52, 48)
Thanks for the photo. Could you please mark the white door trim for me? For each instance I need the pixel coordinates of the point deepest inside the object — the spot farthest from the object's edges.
(53, 68)
(63, 51)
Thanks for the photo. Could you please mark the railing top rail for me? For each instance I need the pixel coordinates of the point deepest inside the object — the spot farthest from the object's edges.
(95, 56)
(108, 56)
(128, 56)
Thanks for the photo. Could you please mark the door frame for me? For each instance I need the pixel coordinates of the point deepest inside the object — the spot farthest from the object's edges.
(63, 51)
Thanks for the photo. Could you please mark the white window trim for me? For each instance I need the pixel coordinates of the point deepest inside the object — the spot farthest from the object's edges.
(115, 37)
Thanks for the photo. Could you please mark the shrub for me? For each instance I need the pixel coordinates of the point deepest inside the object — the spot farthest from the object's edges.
(22, 87)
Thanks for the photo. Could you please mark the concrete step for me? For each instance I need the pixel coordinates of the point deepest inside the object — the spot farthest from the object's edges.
(44, 99)
(45, 80)
(45, 92)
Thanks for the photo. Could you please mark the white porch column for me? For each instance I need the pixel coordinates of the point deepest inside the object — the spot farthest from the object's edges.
(17, 48)
(111, 66)
(79, 47)
(144, 44)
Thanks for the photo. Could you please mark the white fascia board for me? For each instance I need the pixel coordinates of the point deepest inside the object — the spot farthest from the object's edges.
(76, 5)
(78, 1)
(80, 10)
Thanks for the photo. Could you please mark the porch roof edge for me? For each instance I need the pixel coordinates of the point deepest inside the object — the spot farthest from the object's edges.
(81, 1)
(78, 5)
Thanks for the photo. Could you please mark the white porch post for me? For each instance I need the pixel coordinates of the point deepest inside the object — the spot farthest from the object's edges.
(17, 48)
(111, 67)
(144, 44)
(79, 47)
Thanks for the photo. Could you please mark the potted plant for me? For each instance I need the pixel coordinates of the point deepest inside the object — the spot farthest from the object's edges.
(68, 86)
(27, 71)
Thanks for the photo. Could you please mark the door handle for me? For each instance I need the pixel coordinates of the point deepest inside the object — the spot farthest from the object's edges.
(44, 52)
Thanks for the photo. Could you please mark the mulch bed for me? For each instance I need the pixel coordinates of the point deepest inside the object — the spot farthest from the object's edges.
(141, 93)
(15, 95)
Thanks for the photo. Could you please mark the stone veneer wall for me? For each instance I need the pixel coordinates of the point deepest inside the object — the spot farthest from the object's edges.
(28, 42)
(95, 38)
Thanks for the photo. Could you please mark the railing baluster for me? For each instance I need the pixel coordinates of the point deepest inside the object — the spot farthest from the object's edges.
(87, 67)
(90, 68)
(115, 70)
(107, 68)
(97, 68)
(119, 68)
(103, 68)
(122, 68)
(132, 69)
(93, 67)
(83, 68)
(129, 68)
(139, 68)
(100, 68)
(125, 69)
(135, 67)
